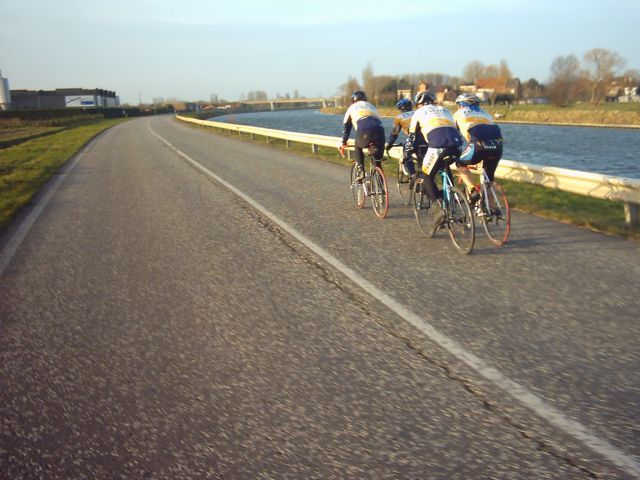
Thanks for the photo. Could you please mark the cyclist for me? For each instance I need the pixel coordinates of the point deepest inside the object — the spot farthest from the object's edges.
(484, 141)
(434, 126)
(364, 117)
(400, 122)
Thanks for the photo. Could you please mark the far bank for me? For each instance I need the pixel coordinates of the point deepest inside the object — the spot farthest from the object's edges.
(609, 115)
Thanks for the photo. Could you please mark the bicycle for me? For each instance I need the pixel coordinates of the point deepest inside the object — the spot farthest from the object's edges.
(493, 209)
(403, 181)
(458, 218)
(374, 185)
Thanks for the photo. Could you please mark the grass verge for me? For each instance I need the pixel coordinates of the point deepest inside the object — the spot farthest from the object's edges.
(25, 168)
(601, 215)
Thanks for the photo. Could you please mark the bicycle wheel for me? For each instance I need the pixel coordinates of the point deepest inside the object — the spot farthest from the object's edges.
(496, 217)
(402, 182)
(379, 193)
(423, 210)
(357, 190)
(460, 222)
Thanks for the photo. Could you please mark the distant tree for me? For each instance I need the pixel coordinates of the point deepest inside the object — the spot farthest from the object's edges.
(533, 88)
(505, 71)
(346, 89)
(473, 71)
(495, 78)
(603, 65)
(386, 87)
(564, 83)
(368, 82)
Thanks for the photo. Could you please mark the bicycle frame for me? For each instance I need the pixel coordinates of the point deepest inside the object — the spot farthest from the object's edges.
(374, 186)
(447, 185)
(494, 209)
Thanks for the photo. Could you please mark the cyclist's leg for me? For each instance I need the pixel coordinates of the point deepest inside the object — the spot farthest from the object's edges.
(376, 149)
(432, 164)
(490, 163)
(471, 155)
(359, 159)
(413, 144)
(376, 145)
(421, 151)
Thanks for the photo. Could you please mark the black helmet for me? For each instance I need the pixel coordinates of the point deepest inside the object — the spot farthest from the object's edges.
(357, 96)
(424, 98)
(404, 105)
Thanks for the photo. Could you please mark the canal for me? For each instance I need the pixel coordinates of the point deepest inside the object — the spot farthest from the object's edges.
(611, 151)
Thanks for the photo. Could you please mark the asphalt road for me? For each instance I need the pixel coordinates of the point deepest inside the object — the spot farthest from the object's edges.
(157, 323)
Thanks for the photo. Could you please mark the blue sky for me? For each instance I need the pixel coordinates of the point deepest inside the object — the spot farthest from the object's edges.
(190, 49)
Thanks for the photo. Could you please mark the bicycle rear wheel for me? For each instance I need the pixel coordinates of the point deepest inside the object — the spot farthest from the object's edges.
(403, 182)
(496, 217)
(460, 222)
(357, 190)
(423, 210)
(379, 193)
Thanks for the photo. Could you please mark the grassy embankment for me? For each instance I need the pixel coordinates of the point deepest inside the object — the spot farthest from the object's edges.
(601, 215)
(32, 151)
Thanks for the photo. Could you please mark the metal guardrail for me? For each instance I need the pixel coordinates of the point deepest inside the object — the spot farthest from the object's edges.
(625, 190)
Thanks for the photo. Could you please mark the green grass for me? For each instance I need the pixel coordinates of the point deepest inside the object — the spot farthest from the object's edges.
(600, 215)
(24, 168)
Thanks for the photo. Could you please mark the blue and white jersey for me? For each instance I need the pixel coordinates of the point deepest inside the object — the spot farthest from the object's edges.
(362, 116)
(358, 111)
(437, 126)
(475, 122)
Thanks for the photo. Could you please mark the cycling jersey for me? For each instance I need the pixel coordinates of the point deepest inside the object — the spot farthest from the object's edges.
(360, 115)
(483, 136)
(476, 124)
(436, 124)
(364, 117)
(400, 123)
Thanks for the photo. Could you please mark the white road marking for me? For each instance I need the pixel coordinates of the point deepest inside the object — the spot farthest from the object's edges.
(618, 457)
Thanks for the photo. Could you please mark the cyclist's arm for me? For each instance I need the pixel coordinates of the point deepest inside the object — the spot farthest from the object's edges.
(395, 131)
(346, 130)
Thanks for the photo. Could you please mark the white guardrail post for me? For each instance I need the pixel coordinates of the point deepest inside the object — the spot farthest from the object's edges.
(625, 190)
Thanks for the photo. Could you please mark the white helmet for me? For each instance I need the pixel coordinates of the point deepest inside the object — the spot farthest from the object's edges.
(469, 98)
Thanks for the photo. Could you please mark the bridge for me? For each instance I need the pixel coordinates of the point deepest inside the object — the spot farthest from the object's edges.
(309, 102)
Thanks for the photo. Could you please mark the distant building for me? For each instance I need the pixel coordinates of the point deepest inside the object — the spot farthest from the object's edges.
(63, 98)
(630, 95)
(403, 94)
(182, 106)
(5, 93)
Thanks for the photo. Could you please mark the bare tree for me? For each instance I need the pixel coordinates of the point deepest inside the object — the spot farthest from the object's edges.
(495, 78)
(368, 82)
(564, 83)
(346, 89)
(505, 72)
(603, 66)
(473, 71)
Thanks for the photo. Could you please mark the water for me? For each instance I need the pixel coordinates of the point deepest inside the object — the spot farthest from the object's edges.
(611, 151)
